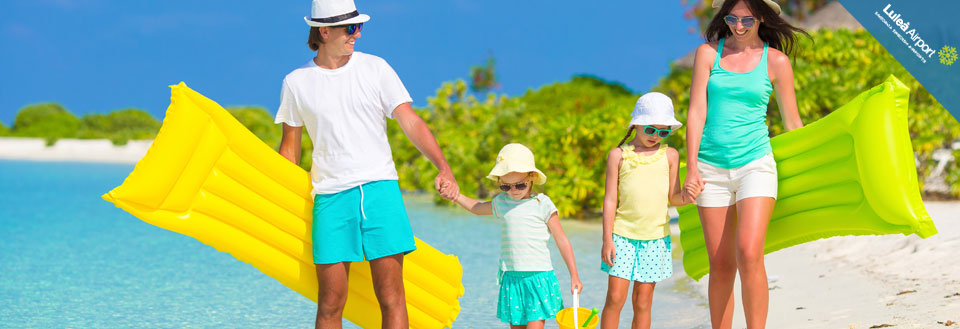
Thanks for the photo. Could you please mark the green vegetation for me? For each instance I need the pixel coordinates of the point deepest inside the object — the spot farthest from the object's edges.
(569, 126)
(4, 131)
(51, 122)
(48, 120)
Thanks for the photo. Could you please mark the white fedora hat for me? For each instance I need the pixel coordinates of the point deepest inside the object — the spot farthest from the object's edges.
(334, 12)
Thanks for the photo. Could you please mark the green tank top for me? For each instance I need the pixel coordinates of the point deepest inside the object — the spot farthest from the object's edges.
(736, 131)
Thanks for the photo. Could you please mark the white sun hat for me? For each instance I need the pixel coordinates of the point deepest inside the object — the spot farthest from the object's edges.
(772, 4)
(334, 12)
(516, 158)
(654, 108)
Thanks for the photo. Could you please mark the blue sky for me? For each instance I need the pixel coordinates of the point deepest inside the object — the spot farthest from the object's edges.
(103, 55)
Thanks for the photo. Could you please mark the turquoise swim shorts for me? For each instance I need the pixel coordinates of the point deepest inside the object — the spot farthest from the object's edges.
(364, 222)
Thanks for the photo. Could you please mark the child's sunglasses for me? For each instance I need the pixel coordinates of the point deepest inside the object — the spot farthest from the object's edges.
(747, 21)
(653, 131)
(352, 28)
(518, 186)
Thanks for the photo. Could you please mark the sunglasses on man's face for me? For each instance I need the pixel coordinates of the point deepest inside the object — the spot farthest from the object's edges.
(352, 28)
(747, 21)
(653, 131)
(519, 186)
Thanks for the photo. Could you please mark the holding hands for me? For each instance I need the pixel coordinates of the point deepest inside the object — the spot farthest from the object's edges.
(692, 186)
(446, 185)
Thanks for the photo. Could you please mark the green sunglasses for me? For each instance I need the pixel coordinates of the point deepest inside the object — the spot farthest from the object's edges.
(653, 131)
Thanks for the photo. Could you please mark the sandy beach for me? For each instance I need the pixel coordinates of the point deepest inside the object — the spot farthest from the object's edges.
(83, 150)
(867, 281)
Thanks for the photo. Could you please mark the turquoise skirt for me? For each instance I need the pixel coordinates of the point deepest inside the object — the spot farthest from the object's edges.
(528, 296)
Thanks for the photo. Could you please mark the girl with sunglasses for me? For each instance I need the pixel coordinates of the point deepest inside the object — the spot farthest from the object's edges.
(529, 290)
(729, 155)
(641, 181)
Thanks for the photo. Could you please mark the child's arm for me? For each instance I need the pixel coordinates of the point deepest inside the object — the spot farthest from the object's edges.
(473, 206)
(608, 251)
(677, 195)
(566, 250)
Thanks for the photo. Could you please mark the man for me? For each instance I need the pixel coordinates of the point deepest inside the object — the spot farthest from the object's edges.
(343, 98)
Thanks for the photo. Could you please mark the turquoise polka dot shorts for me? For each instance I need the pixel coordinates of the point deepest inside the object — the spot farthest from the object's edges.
(641, 260)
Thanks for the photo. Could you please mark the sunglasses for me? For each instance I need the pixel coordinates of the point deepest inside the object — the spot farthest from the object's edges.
(653, 131)
(747, 21)
(518, 186)
(352, 28)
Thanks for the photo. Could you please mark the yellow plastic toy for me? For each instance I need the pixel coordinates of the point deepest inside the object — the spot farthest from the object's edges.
(208, 177)
(581, 318)
(850, 173)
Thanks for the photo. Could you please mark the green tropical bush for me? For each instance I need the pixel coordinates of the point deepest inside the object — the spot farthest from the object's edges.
(569, 126)
(4, 130)
(130, 124)
(48, 120)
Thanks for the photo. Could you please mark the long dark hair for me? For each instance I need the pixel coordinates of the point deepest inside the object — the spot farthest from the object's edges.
(773, 30)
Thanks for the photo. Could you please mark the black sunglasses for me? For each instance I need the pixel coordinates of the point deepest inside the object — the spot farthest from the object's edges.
(352, 28)
(518, 186)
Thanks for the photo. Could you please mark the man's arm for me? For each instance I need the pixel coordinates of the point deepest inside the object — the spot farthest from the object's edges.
(421, 137)
(290, 143)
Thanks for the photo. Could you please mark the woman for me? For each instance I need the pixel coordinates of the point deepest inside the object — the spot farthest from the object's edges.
(729, 155)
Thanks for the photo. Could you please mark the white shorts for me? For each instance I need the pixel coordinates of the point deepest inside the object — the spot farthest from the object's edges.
(724, 187)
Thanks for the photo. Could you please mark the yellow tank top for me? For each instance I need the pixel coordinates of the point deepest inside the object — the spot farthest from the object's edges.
(642, 193)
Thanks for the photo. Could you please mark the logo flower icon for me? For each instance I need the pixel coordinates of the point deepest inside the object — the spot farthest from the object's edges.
(948, 55)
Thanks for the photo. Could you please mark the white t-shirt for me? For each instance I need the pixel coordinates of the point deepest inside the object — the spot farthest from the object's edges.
(345, 113)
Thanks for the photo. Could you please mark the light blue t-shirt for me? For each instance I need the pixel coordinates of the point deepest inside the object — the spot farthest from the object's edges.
(523, 232)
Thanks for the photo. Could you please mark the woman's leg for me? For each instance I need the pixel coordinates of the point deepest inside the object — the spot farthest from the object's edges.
(642, 301)
(518, 326)
(617, 289)
(719, 233)
(535, 324)
(751, 232)
(332, 295)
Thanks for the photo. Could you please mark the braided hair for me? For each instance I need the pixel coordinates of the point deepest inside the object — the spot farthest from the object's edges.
(629, 132)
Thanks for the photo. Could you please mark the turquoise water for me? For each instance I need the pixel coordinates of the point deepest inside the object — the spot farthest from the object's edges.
(70, 259)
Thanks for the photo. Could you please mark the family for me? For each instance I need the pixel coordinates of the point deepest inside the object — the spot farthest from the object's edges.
(343, 98)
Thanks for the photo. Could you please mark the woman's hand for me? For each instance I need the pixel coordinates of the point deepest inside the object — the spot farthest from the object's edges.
(693, 184)
(608, 253)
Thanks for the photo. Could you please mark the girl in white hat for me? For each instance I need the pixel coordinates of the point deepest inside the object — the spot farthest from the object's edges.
(529, 291)
(641, 182)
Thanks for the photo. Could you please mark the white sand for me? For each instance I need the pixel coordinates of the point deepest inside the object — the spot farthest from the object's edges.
(866, 281)
(84, 150)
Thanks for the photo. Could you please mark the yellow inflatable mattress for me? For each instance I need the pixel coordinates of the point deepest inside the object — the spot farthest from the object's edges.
(208, 177)
(850, 173)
